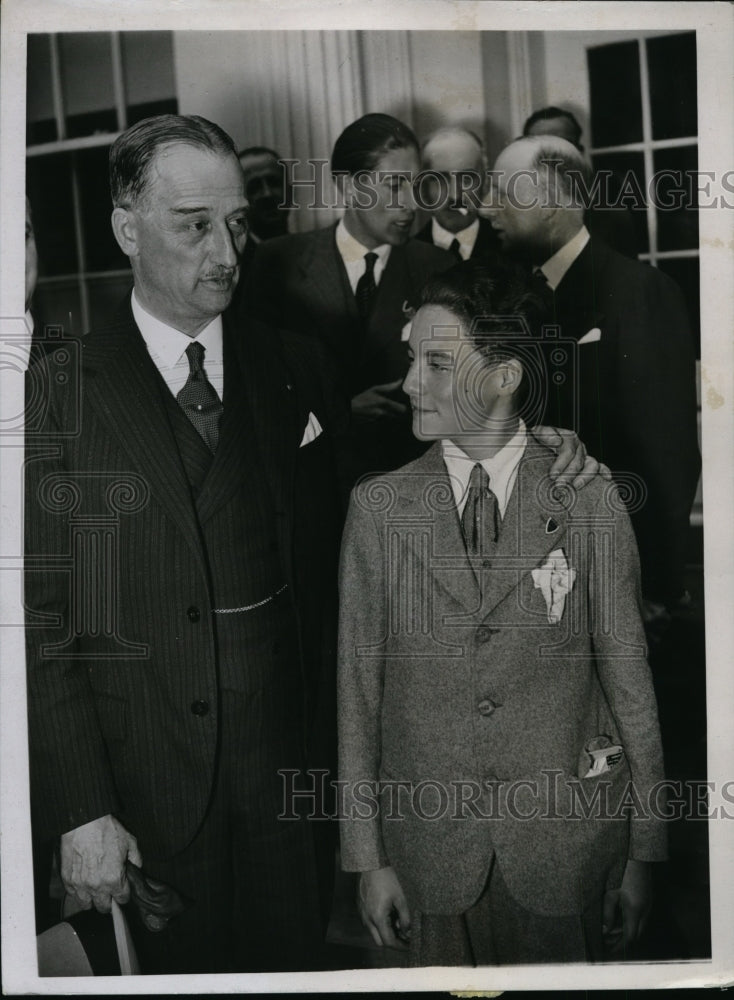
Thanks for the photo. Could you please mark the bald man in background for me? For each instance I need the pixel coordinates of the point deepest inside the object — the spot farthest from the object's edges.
(457, 155)
(634, 389)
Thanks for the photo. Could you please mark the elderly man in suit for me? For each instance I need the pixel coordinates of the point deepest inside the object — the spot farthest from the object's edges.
(495, 705)
(632, 396)
(169, 678)
(455, 166)
(353, 286)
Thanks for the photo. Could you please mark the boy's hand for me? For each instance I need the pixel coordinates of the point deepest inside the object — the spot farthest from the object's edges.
(572, 464)
(383, 908)
(626, 910)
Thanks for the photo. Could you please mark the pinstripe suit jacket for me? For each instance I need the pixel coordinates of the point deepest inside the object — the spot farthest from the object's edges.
(477, 696)
(123, 674)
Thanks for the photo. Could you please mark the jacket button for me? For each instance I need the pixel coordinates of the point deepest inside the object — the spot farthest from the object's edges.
(199, 707)
(486, 706)
(193, 614)
(484, 633)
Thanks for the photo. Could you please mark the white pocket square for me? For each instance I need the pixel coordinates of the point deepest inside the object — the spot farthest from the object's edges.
(591, 336)
(555, 579)
(313, 429)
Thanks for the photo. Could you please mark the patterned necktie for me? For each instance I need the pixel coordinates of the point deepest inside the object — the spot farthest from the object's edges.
(366, 287)
(198, 398)
(480, 518)
(455, 249)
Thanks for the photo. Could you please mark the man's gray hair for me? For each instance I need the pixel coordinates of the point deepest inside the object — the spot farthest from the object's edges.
(132, 153)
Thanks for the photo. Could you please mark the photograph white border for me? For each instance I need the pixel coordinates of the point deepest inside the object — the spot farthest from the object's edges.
(714, 24)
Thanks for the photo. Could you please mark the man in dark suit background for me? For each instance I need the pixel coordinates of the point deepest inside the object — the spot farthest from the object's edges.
(456, 159)
(632, 399)
(266, 190)
(169, 671)
(353, 286)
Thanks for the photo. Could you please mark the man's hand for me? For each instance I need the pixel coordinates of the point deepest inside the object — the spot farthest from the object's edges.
(572, 464)
(627, 909)
(377, 402)
(383, 908)
(93, 860)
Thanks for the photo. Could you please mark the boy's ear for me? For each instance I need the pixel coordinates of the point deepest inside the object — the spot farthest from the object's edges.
(511, 375)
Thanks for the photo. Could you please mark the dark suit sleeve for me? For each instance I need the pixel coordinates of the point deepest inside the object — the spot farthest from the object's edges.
(655, 409)
(362, 623)
(619, 645)
(71, 783)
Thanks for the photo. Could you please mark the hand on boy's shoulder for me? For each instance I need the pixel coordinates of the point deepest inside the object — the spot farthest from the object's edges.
(572, 465)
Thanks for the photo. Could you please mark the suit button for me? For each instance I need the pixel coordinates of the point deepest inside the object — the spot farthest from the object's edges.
(486, 706)
(193, 614)
(484, 633)
(199, 707)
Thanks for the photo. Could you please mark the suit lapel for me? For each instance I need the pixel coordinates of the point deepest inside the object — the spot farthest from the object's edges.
(534, 525)
(123, 387)
(576, 304)
(324, 278)
(271, 396)
(394, 289)
(428, 497)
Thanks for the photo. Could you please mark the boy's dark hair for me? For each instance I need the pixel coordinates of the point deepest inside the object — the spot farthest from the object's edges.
(503, 318)
(363, 143)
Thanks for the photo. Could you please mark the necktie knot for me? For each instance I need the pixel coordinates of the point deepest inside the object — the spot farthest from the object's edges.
(195, 354)
(370, 259)
(455, 249)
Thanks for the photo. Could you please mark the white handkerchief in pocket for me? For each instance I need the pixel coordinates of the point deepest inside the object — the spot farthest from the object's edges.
(555, 579)
(313, 429)
(590, 337)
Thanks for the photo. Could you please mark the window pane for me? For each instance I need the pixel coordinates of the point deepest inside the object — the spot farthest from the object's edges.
(86, 82)
(106, 295)
(616, 106)
(101, 249)
(147, 65)
(48, 183)
(671, 64)
(684, 271)
(40, 117)
(55, 300)
(675, 197)
(624, 181)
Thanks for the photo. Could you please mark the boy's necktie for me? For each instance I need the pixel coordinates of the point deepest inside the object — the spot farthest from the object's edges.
(198, 398)
(480, 517)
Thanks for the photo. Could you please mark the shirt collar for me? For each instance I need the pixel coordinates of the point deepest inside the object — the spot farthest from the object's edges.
(352, 250)
(499, 467)
(443, 238)
(556, 266)
(169, 344)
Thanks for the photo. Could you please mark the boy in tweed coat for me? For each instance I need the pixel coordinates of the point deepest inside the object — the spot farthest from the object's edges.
(499, 742)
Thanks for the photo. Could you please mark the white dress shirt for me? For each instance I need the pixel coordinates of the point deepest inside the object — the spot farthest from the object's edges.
(466, 237)
(556, 266)
(167, 347)
(352, 253)
(501, 469)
